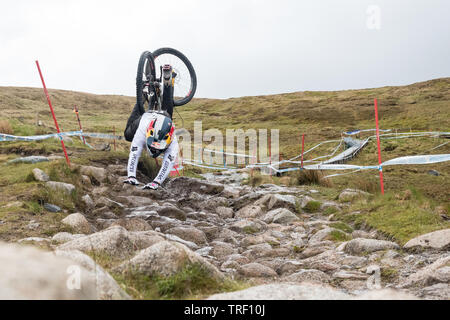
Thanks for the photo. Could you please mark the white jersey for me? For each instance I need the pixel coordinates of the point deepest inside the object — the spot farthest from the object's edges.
(139, 143)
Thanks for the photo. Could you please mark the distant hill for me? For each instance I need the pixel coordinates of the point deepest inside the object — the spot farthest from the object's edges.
(320, 114)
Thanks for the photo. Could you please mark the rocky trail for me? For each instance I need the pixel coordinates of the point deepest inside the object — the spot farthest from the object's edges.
(267, 237)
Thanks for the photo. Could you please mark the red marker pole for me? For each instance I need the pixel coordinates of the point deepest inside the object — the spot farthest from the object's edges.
(303, 148)
(379, 148)
(75, 109)
(53, 113)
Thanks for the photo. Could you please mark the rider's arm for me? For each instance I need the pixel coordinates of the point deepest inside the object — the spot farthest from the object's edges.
(137, 145)
(168, 162)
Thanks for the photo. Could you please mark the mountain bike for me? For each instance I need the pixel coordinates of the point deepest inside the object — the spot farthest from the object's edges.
(165, 79)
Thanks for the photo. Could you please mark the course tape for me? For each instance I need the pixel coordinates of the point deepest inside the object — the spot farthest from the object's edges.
(7, 137)
(355, 132)
(408, 160)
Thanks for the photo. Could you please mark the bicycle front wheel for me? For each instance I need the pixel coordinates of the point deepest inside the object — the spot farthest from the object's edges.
(185, 81)
(145, 74)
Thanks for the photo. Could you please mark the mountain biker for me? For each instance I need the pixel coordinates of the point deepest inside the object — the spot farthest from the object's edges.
(155, 130)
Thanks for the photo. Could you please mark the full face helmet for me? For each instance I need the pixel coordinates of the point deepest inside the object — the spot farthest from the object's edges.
(159, 134)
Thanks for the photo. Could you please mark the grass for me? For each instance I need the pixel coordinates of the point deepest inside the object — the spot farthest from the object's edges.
(338, 236)
(311, 177)
(192, 282)
(400, 220)
(312, 206)
(342, 226)
(389, 275)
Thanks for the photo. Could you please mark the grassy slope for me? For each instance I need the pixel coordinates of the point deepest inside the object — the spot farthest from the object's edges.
(322, 115)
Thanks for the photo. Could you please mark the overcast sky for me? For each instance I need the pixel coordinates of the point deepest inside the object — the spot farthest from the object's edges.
(238, 48)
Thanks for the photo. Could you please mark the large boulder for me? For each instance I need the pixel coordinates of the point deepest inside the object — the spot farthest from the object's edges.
(284, 291)
(437, 272)
(78, 223)
(29, 273)
(438, 240)
(361, 245)
(107, 287)
(166, 258)
(115, 241)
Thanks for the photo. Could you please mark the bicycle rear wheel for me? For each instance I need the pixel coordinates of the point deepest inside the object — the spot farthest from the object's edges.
(145, 74)
(185, 81)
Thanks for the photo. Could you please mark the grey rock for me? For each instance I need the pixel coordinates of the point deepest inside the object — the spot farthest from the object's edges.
(433, 173)
(256, 270)
(61, 186)
(343, 274)
(250, 211)
(40, 175)
(274, 201)
(439, 291)
(31, 274)
(99, 174)
(191, 234)
(361, 245)
(352, 194)
(437, 240)
(51, 207)
(166, 258)
(281, 216)
(62, 237)
(107, 287)
(30, 159)
(172, 212)
(438, 271)
(115, 241)
(224, 212)
(309, 275)
(284, 291)
(133, 224)
(222, 249)
(323, 234)
(189, 244)
(248, 226)
(88, 202)
(185, 185)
